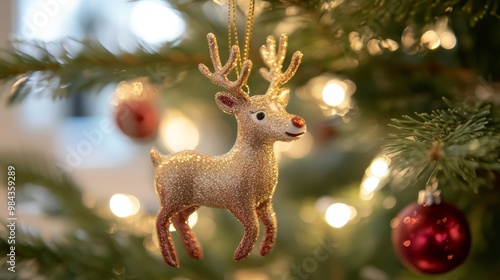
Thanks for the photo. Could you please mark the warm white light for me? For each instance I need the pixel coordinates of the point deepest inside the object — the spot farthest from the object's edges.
(333, 93)
(379, 167)
(155, 23)
(391, 45)
(430, 39)
(448, 40)
(123, 205)
(365, 195)
(408, 37)
(192, 220)
(179, 133)
(389, 202)
(370, 184)
(338, 214)
(373, 47)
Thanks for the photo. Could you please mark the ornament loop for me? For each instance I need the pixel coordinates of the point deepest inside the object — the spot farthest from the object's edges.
(431, 195)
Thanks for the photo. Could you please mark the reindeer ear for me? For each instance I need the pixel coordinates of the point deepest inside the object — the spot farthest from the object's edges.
(228, 103)
(283, 97)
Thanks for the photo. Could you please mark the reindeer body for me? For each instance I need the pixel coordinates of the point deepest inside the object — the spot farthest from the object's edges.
(244, 179)
(192, 178)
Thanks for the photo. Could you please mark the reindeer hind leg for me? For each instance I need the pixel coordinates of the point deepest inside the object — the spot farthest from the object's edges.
(166, 244)
(180, 221)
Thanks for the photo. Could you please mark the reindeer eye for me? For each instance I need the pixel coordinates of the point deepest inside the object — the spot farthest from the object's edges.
(258, 116)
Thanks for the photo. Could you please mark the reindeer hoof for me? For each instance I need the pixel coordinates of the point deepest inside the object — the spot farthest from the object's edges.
(196, 253)
(239, 255)
(265, 250)
(172, 263)
(170, 258)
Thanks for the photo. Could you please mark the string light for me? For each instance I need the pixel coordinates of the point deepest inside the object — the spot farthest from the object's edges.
(334, 92)
(339, 214)
(123, 205)
(374, 176)
(448, 40)
(178, 132)
(373, 47)
(430, 39)
(379, 167)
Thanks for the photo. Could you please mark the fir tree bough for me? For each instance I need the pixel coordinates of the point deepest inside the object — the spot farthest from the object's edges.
(461, 143)
(53, 67)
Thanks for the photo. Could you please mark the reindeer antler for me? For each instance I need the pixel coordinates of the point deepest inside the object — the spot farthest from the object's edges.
(219, 76)
(274, 60)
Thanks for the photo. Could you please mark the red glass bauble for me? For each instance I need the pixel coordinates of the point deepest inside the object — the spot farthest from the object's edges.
(431, 239)
(137, 118)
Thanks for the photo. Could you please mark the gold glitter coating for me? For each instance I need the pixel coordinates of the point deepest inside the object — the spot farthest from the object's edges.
(244, 179)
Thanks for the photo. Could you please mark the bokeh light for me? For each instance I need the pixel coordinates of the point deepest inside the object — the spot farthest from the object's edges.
(155, 23)
(192, 220)
(430, 39)
(178, 132)
(379, 167)
(334, 93)
(123, 205)
(374, 176)
(339, 214)
(448, 40)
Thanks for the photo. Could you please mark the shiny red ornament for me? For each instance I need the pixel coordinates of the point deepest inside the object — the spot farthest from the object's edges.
(137, 119)
(431, 239)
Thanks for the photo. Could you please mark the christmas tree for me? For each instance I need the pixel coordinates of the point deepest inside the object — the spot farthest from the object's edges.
(400, 100)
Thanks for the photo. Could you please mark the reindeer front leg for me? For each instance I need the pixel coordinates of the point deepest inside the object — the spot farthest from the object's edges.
(248, 217)
(268, 218)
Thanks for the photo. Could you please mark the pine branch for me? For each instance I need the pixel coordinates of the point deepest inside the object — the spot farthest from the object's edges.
(461, 142)
(55, 68)
(370, 12)
(38, 170)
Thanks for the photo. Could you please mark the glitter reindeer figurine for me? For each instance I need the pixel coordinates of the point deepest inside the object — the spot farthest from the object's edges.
(244, 179)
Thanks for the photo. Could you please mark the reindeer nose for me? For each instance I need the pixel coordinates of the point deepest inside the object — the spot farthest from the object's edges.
(298, 122)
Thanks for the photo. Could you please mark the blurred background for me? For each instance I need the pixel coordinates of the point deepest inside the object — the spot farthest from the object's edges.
(85, 198)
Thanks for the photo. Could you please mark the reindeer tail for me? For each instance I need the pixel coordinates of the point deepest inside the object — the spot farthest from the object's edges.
(156, 157)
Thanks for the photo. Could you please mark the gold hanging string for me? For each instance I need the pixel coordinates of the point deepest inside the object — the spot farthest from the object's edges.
(248, 30)
(233, 30)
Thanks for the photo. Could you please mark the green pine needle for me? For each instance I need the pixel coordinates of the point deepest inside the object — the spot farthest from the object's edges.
(460, 142)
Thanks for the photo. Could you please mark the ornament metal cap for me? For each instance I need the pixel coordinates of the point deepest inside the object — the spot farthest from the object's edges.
(431, 195)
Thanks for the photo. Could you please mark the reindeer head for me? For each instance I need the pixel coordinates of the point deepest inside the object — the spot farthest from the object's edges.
(260, 117)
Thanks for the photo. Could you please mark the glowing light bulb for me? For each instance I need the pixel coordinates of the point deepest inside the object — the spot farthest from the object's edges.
(339, 214)
(178, 132)
(408, 37)
(334, 93)
(374, 47)
(430, 39)
(370, 184)
(379, 167)
(448, 40)
(123, 205)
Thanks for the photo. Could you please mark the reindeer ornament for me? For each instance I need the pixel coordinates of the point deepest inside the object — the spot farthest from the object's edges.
(244, 179)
